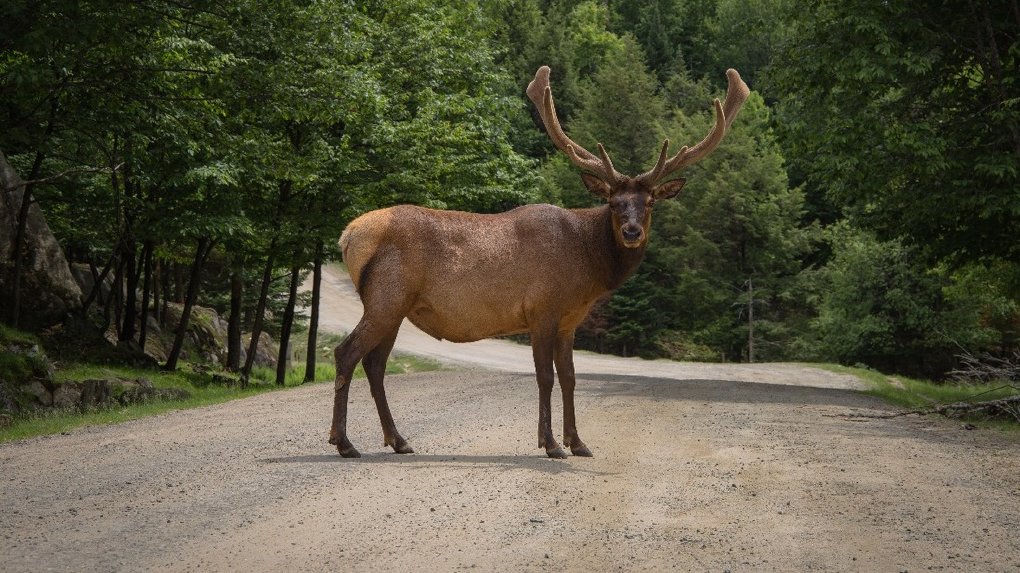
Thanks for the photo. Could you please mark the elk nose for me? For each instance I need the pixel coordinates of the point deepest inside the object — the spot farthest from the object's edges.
(631, 233)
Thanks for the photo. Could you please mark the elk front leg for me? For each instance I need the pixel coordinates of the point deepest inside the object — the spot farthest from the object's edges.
(565, 371)
(543, 348)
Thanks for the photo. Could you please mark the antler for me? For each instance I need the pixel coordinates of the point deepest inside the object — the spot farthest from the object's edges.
(736, 94)
(541, 95)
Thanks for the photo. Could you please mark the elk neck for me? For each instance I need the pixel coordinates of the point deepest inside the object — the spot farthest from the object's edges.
(619, 262)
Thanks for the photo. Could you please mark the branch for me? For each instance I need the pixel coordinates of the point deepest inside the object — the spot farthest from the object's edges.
(1009, 406)
(66, 173)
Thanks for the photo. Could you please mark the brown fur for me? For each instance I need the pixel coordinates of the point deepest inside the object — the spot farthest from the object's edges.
(466, 277)
(537, 269)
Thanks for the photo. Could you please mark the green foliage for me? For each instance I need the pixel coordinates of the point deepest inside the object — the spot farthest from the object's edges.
(880, 306)
(22, 361)
(264, 128)
(905, 114)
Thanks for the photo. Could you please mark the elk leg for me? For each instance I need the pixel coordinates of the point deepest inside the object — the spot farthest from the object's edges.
(565, 369)
(341, 391)
(542, 347)
(375, 368)
(358, 343)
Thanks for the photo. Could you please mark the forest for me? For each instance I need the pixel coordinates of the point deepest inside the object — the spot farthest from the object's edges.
(864, 209)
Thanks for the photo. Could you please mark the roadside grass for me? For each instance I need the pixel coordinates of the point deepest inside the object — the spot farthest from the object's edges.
(913, 394)
(198, 382)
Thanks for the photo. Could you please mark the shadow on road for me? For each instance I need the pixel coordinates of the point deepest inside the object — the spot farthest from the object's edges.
(535, 463)
(721, 391)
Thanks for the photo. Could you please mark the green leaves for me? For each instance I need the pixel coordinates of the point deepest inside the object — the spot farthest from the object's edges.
(900, 111)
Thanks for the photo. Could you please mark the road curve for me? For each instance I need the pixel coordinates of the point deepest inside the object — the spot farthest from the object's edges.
(340, 310)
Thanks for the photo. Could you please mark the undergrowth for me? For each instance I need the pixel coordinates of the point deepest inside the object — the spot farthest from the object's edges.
(205, 386)
(913, 394)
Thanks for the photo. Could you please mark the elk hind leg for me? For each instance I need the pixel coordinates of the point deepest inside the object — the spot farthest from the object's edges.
(375, 368)
(341, 391)
(360, 342)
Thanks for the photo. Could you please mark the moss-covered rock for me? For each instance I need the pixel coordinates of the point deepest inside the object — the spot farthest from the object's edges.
(26, 374)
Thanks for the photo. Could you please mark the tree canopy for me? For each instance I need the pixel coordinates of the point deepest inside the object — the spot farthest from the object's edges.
(863, 207)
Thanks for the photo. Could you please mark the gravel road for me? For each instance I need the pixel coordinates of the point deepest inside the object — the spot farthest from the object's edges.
(696, 467)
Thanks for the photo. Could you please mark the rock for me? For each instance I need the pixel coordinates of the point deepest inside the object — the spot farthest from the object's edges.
(67, 395)
(26, 373)
(130, 353)
(265, 354)
(39, 393)
(206, 339)
(49, 291)
(138, 394)
(96, 393)
(82, 274)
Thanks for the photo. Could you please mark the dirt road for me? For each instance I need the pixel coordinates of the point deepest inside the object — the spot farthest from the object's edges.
(706, 471)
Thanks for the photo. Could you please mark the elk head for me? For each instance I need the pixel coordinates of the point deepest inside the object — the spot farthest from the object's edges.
(631, 198)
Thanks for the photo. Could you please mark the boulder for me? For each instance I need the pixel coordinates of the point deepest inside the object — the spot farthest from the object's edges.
(142, 390)
(206, 339)
(82, 274)
(49, 291)
(67, 395)
(38, 392)
(266, 352)
(26, 373)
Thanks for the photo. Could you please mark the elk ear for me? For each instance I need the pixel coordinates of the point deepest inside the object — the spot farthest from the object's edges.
(596, 185)
(669, 189)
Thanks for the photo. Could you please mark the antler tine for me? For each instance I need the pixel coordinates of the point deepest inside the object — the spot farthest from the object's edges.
(656, 171)
(540, 93)
(736, 94)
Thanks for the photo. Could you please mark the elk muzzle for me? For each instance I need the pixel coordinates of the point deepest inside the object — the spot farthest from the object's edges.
(632, 234)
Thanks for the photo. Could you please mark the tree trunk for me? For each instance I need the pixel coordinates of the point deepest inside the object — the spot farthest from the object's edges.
(178, 283)
(234, 322)
(147, 285)
(288, 322)
(313, 324)
(260, 310)
(164, 273)
(131, 272)
(267, 277)
(204, 247)
(19, 242)
(156, 284)
(97, 283)
(112, 303)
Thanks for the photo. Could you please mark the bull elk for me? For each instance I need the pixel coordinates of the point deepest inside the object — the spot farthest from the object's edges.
(537, 269)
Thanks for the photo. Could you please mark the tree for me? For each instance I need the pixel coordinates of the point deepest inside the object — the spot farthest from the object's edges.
(905, 114)
(880, 307)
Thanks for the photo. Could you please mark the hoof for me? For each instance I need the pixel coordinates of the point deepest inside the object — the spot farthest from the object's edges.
(581, 451)
(349, 452)
(556, 453)
(403, 448)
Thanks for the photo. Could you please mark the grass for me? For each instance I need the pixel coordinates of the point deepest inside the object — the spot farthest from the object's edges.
(198, 383)
(915, 394)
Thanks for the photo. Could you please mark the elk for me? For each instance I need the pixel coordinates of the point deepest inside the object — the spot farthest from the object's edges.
(536, 269)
